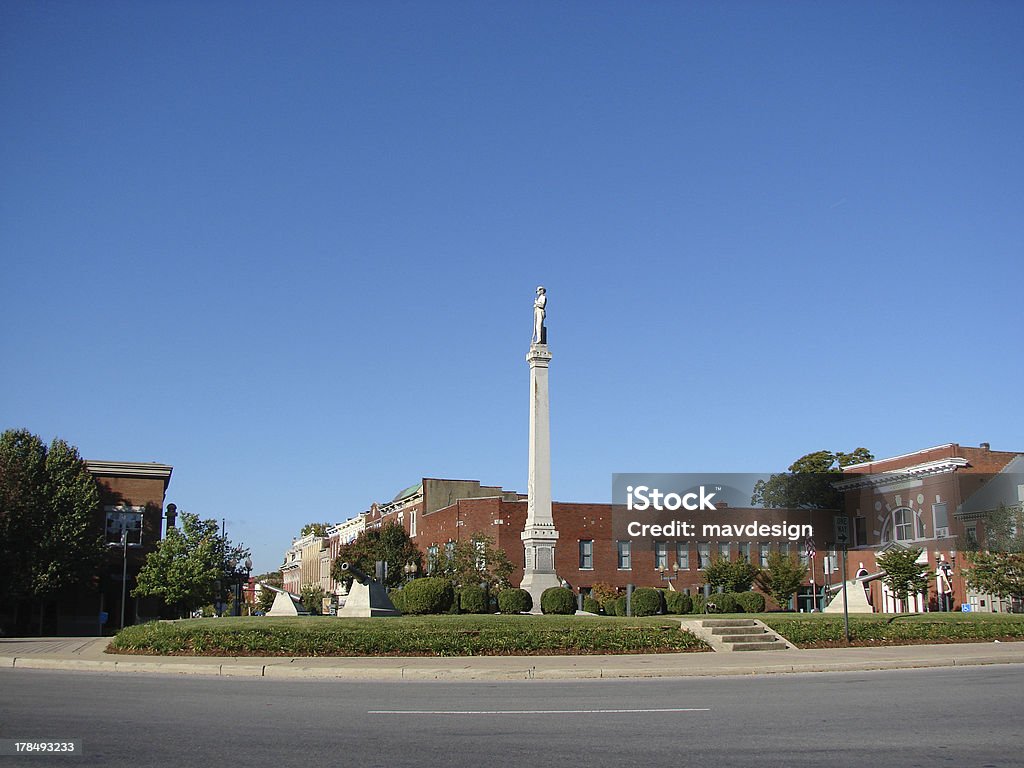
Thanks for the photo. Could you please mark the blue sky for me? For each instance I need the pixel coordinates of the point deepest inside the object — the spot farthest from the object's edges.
(292, 250)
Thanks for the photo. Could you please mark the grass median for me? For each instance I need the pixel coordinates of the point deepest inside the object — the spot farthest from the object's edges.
(816, 630)
(465, 635)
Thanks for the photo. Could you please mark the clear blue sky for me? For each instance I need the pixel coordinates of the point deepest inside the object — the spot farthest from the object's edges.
(292, 249)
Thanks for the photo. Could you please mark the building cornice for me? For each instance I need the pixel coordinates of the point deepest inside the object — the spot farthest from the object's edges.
(130, 469)
(939, 467)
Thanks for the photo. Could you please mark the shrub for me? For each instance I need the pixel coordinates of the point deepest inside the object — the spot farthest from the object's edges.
(750, 602)
(473, 599)
(608, 606)
(558, 600)
(678, 603)
(697, 604)
(514, 601)
(590, 605)
(397, 597)
(620, 606)
(724, 602)
(429, 595)
(646, 601)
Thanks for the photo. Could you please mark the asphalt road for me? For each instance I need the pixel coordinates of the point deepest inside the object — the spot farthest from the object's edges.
(972, 716)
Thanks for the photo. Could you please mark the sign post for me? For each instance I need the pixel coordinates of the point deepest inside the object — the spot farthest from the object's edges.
(841, 526)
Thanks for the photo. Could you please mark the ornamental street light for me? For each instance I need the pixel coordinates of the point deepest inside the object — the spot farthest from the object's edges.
(667, 575)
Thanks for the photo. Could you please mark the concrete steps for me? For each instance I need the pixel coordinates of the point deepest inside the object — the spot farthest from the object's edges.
(728, 635)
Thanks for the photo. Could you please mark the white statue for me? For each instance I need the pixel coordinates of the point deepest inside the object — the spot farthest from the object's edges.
(539, 331)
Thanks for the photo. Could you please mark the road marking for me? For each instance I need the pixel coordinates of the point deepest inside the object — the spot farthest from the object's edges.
(528, 711)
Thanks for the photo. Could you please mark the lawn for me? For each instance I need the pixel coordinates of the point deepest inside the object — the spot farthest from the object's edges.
(463, 635)
(817, 630)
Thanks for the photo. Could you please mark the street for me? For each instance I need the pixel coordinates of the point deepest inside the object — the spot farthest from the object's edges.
(954, 716)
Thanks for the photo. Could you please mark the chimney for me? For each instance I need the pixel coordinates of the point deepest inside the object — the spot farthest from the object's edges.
(985, 446)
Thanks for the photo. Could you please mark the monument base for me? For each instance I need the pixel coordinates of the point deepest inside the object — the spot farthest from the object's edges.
(535, 583)
(366, 600)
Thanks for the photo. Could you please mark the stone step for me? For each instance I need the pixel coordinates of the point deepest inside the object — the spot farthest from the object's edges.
(728, 623)
(754, 638)
(763, 645)
(725, 631)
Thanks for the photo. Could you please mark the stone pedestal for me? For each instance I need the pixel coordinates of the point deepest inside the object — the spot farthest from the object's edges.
(539, 534)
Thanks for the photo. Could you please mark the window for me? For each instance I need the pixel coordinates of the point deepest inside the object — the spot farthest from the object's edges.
(940, 518)
(124, 520)
(661, 555)
(784, 549)
(703, 554)
(586, 554)
(431, 558)
(723, 550)
(971, 532)
(745, 550)
(683, 556)
(412, 524)
(903, 525)
(763, 550)
(625, 562)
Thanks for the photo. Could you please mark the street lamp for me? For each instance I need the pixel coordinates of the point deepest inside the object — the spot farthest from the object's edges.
(666, 576)
(410, 570)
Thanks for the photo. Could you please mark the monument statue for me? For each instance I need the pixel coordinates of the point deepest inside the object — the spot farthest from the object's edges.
(540, 333)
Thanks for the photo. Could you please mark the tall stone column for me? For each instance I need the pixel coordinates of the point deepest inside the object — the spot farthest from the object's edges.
(539, 534)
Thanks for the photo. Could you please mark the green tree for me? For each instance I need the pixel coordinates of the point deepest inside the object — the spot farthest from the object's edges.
(1004, 529)
(313, 598)
(320, 529)
(473, 562)
(389, 543)
(48, 500)
(731, 575)
(903, 574)
(782, 578)
(191, 567)
(808, 483)
(996, 573)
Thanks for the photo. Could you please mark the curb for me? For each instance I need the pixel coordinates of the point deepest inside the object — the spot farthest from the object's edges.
(285, 670)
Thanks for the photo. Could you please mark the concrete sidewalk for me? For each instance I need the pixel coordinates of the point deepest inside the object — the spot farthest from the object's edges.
(87, 654)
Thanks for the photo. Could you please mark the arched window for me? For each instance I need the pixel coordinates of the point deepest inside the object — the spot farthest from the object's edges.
(904, 524)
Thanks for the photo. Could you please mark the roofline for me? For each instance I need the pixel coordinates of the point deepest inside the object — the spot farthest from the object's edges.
(130, 469)
(901, 456)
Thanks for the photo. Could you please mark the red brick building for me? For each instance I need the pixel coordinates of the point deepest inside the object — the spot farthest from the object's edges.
(935, 499)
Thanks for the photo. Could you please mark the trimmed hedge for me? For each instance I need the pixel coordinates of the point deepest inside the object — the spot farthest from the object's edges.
(725, 602)
(646, 601)
(590, 605)
(465, 635)
(515, 601)
(397, 597)
(678, 603)
(473, 599)
(697, 604)
(750, 602)
(428, 595)
(620, 606)
(558, 601)
(608, 606)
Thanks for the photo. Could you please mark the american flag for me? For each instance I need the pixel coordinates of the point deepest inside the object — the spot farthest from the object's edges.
(809, 549)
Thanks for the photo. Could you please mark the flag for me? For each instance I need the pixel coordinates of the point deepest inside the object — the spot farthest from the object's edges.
(809, 549)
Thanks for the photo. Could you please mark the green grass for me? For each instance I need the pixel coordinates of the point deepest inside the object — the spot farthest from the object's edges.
(466, 635)
(818, 630)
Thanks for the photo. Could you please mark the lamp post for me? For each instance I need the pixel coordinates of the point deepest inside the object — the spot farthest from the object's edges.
(410, 570)
(667, 576)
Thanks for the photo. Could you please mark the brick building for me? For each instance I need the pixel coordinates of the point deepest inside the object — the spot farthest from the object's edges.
(931, 499)
(935, 499)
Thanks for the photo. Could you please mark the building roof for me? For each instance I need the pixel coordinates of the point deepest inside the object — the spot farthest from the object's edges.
(412, 490)
(130, 469)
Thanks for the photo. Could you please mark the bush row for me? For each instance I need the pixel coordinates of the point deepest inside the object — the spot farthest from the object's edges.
(432, 595)
(466, 635)
(648, 602)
